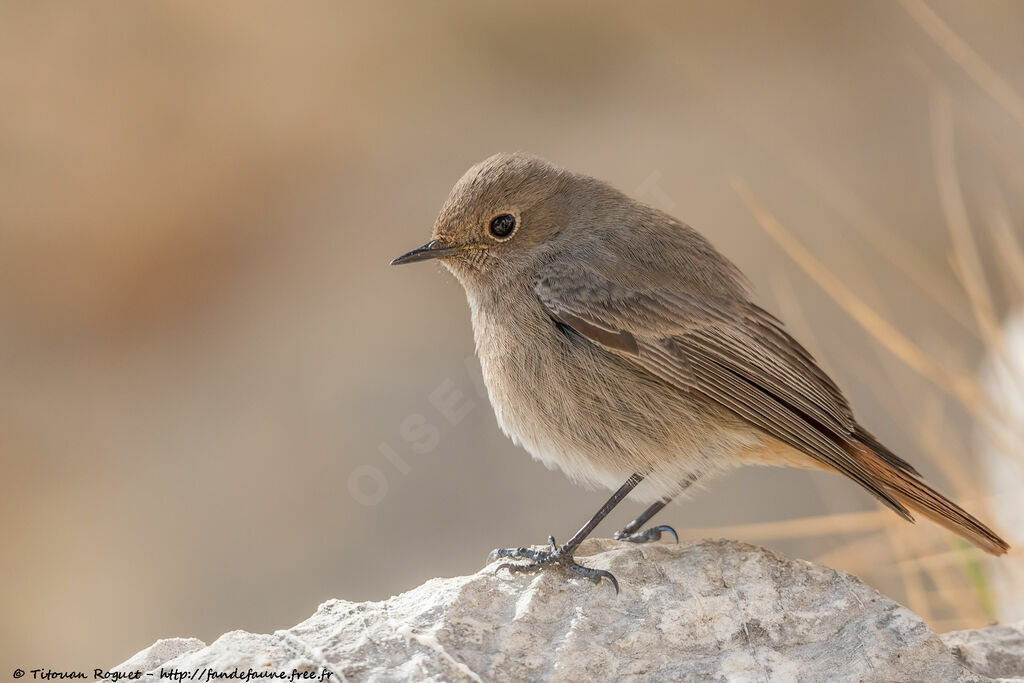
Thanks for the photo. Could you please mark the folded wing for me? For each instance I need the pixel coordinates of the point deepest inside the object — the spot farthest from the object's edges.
(729, 351)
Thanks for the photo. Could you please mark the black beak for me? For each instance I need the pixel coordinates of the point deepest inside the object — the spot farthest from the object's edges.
(430, 250)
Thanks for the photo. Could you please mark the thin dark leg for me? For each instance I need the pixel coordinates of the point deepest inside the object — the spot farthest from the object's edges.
(630, 531)
(635, 525)
(563, 556)
(616, 498)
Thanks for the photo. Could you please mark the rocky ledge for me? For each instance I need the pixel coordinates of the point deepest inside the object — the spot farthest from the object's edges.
(714, 610)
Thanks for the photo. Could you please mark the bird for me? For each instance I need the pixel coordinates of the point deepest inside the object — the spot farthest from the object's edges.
(618, 345)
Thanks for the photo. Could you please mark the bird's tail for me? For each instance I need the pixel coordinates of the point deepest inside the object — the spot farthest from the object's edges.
(905, 485)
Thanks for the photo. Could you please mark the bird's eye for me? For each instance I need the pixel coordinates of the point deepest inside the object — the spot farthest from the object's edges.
(502, 225)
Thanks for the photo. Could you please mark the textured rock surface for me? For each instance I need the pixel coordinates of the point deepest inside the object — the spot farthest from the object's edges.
(996, 651)
(159, 653)
(716, 610)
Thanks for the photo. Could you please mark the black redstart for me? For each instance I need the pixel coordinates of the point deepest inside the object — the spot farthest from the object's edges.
(617, 344)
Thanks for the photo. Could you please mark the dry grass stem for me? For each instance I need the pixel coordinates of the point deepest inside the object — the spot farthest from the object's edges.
(957, 384)
(965, 56)
(847, 522)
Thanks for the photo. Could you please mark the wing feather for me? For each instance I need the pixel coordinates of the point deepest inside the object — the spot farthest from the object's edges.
(731, 352)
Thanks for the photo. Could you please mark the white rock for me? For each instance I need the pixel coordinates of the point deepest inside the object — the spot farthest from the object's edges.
(996, 651)
(716, 610)
(159, 653)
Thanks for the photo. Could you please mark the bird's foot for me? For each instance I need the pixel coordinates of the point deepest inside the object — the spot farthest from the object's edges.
(539, 560)
(647, 536)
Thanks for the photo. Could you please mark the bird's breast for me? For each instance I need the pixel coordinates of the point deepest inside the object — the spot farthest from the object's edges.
(581, 408)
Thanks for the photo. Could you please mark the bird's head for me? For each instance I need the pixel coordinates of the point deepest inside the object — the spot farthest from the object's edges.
(496, 214)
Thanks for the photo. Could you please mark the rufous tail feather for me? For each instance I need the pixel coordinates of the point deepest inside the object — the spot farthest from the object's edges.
(906, 487)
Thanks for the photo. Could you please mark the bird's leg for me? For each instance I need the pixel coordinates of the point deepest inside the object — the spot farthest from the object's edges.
(562, 556)
(629, 532)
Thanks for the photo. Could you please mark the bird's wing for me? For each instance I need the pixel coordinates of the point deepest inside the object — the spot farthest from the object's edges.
(729, 351)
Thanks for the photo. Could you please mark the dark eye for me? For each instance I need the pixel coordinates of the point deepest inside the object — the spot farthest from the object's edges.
(502, 225)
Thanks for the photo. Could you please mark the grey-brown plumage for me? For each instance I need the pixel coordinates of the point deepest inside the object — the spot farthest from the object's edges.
(616, 341)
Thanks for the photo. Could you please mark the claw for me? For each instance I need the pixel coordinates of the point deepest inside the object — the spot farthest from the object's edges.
(594, 575)
(518, 568)
(666, 528)
(652, 534)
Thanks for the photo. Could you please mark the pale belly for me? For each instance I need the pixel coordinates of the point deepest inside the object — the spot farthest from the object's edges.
(598, 418)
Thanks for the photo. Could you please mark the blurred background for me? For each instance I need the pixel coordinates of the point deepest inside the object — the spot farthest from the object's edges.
(210, 378)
